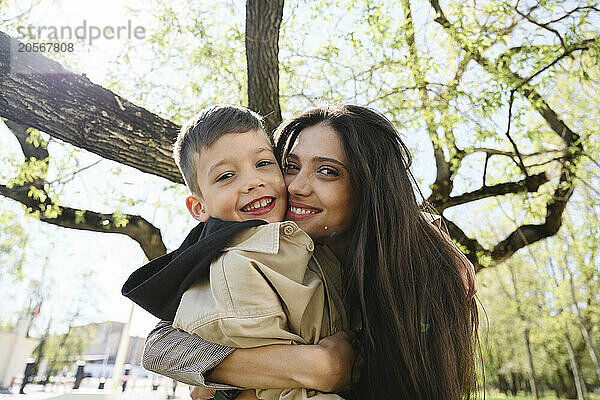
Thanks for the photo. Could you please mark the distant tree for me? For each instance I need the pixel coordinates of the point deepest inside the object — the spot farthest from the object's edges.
(550, 291)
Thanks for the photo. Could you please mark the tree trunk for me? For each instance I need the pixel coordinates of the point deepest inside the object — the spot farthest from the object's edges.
(263, 19)
(527, 323)
(513, 384)
(532, 383)
(575, 368)
(584, 331)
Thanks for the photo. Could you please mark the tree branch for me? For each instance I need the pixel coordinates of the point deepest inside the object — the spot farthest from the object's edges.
(572, 140)
(520, 237)
(29, 149)
(569, 13)
(543, 26)
(38, 92)
(36, 199)
(528, 234)
(471, 150)
(442, 186)
(137, 228)
(505, 58)
(475, 252)
(529, 184)
(520, 162)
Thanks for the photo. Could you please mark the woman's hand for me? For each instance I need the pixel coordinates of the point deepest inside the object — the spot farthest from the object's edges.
(201, 393)
(248, 394)
(338, 357)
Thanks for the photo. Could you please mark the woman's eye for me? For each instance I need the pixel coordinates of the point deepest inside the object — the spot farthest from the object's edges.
(264, 163)
(289, 167)
(328, 171)
(224, 176)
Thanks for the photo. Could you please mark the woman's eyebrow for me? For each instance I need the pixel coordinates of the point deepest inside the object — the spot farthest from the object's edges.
(320, 159)
(331, 160)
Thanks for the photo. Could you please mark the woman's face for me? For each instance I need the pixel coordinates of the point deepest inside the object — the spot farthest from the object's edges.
(322, 200)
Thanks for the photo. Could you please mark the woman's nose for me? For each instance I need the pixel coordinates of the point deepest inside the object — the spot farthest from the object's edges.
(298, 185)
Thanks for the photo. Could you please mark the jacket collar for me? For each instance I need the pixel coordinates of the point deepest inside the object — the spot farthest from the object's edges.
(159, 285)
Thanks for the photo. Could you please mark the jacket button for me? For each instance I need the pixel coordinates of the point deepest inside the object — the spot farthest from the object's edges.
(310, 246)
(288, 230)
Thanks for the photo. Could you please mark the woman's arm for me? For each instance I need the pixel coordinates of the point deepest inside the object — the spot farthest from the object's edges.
(189, 359)
(324, 367)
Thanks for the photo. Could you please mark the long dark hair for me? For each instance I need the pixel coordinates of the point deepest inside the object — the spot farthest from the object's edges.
(419, 328)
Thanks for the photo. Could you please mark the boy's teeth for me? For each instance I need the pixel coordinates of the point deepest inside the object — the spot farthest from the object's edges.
(258, 204)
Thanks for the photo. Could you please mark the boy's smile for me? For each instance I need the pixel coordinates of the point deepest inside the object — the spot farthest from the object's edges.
(260, 206)
(239, 180)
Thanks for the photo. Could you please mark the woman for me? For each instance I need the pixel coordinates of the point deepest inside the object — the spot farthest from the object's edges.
(350, 188)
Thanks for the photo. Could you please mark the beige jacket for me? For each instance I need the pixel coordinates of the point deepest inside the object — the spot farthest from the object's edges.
(270, 286)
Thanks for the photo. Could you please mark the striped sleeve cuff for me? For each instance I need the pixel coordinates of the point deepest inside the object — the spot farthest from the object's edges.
(182, 356)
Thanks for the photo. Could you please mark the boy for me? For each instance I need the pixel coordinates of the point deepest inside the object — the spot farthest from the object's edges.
(237, 280)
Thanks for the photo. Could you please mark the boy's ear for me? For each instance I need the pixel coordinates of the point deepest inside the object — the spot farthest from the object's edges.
(196, 209)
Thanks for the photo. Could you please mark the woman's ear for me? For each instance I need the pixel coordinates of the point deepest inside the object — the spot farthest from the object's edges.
(196, 208)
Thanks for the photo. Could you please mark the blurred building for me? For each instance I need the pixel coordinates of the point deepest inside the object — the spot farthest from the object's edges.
(101, 348)
(15, 349)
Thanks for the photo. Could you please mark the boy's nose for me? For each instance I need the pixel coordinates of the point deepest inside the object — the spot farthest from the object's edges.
(254, 186)
(253, 182)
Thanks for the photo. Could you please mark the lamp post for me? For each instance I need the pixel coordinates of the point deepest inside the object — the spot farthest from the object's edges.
(121, 352)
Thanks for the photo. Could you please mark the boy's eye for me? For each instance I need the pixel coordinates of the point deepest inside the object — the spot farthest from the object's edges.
(264, 163)
(225, 176)
(328, 171)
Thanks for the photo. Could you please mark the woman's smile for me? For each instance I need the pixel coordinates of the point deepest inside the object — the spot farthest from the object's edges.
(300, 211)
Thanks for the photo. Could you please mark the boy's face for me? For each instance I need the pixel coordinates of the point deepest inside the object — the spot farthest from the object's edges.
(239, 180)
